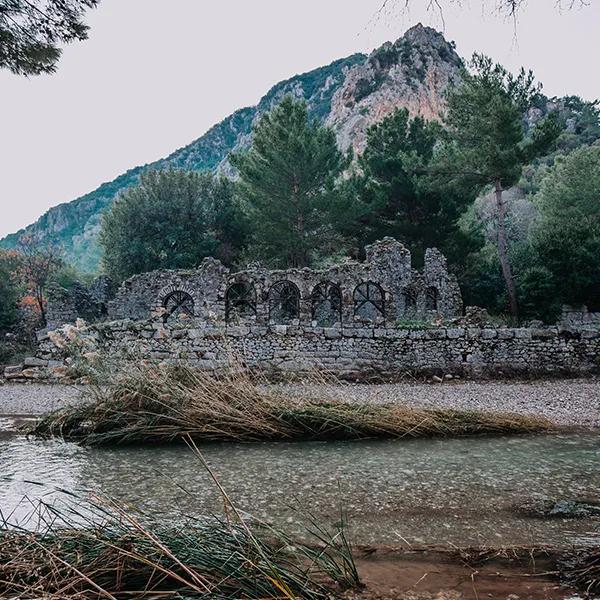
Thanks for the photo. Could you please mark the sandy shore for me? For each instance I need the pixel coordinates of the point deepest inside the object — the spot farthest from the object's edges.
(566, 402)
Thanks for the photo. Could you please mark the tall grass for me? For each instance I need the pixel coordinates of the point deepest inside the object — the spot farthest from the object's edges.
(98, 549)
(151, 404)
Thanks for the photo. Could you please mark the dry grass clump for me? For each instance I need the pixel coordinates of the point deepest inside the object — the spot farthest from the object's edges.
(97, 549)
(150, 404)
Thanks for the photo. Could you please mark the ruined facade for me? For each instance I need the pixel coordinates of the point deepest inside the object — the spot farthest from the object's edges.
(377, 318)
(80, 301)
(379, 292)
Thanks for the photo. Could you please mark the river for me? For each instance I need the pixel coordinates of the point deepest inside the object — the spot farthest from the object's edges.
(466, 491)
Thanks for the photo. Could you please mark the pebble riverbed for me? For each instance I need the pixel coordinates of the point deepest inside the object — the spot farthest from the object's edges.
(567, 402)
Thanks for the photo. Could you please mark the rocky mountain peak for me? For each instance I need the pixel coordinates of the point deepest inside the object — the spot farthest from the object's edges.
(413, 73)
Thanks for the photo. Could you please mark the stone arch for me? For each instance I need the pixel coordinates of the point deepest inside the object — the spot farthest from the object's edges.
(369, 301)
(240, 300)
(432, 299)
(284, 302)
(326, 304)
(177, 304)
(410, 296)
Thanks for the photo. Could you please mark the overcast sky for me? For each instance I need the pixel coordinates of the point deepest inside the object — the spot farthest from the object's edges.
(156, 74)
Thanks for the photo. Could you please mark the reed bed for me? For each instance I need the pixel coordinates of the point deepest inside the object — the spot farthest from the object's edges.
(581, 569)
(94, 548)
(149, 404)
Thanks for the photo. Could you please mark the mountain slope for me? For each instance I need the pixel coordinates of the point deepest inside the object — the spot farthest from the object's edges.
(349, 95)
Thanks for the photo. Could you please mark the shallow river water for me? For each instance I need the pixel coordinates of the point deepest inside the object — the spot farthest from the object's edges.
(459, 491)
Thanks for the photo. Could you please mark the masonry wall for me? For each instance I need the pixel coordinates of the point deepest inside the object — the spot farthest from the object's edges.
(355, 319)
(387, 270)
(354, 352)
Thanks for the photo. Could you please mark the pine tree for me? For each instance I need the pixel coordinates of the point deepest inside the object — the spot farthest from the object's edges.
(488, 145)
(32, 31)
(395, 193)
(287, 187)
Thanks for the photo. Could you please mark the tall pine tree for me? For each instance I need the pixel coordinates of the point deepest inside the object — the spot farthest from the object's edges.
(393, 191)
(488, 144)
(287, 187)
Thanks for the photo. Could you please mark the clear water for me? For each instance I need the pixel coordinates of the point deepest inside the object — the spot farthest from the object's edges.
(460, 491)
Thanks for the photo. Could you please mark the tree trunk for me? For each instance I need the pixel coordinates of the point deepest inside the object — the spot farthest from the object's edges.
(39, 296)
(503, 252)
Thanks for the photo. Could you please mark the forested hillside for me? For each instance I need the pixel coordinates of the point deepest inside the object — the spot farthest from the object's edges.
(349, 94)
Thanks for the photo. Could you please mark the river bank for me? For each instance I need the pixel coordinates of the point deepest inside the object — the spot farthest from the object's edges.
(565, 402)
(442, 574)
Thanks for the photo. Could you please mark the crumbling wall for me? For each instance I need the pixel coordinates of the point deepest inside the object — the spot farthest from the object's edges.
(380, 291)
(355, 352)
(79, 301)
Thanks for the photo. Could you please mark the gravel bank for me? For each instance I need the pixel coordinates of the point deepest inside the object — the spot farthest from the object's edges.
(569, 402)
(35, 398)
(565, 402)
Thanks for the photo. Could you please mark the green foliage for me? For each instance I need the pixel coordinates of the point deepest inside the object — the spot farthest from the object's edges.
(172, 219)
(567, 239)
(538, 294)
(9, 293)
(67, 276)
(480, 279)
(287, 187)
(32, 31)
(487, 142)
(393, 194)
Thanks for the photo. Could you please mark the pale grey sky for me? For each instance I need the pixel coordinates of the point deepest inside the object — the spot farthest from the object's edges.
(156, 74)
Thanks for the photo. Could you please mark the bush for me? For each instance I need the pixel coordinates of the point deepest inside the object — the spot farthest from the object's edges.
(156, 405)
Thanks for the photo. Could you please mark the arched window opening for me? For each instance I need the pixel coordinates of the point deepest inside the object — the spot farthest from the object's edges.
(410, 300)
(284, 302)
(431, 299)
(326, 301)
(177, 305)
(369, 301)
(240, 301)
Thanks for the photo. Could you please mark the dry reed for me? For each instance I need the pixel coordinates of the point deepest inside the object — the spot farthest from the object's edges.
(151, 404)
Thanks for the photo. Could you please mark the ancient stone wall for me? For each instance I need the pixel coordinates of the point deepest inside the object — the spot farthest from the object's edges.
(380, 317)
(79, 301)
(355, 352)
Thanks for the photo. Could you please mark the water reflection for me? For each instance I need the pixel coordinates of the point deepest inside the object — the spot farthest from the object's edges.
(425, 491)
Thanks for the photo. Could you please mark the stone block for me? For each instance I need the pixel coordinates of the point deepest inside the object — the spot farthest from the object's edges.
(543, 333)
(12, 370)
(505, 334)
(34, 361)
(488, 334)
(522, 333)
(279, 329)
(33, 373)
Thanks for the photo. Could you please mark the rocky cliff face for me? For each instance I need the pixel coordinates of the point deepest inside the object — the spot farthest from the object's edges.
(411, 73)
(349, 95)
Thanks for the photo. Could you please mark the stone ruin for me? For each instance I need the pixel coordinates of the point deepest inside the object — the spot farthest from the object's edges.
(80, 301)
(379, 318)
(380, 292)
